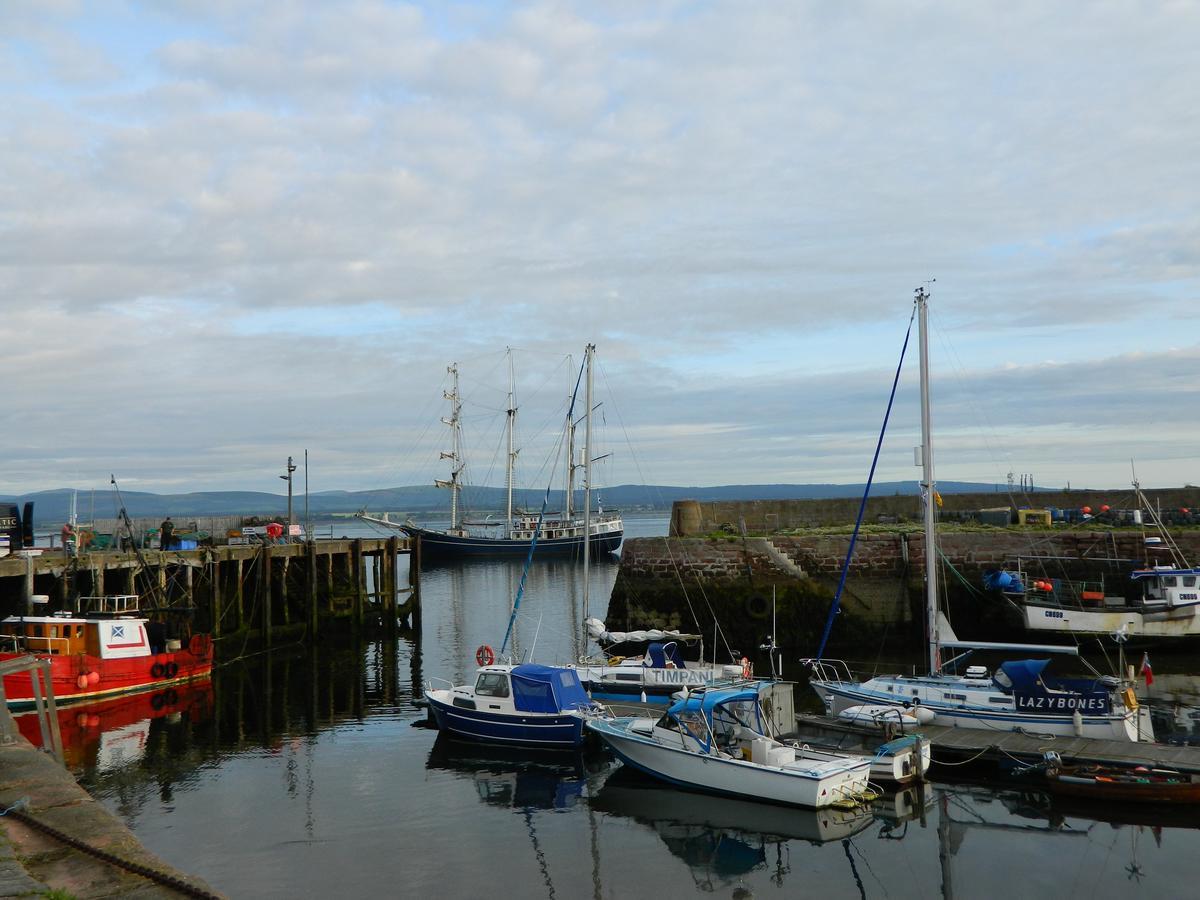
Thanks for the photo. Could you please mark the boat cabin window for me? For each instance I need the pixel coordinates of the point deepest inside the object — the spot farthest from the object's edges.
(78, 631)
(1189, 580)
(1168, 581)
(492, 684)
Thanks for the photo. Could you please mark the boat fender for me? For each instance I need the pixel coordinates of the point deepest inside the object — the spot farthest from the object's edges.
(171, 669)
(93, 677)
(82, 682)
(156, 670)
(484, 656)
(1130, 699)
(157, 701)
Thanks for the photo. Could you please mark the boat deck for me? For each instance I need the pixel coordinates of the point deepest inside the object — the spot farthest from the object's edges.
(957, 745)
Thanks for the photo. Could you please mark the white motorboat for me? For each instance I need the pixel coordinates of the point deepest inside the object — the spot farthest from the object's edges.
(715, 741)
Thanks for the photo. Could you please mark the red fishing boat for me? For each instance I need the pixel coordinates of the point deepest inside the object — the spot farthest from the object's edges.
(108, 649)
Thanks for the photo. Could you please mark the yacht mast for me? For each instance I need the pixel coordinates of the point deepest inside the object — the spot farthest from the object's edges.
(928, 487)
(455, 454)
(587, 484)
(508, 471)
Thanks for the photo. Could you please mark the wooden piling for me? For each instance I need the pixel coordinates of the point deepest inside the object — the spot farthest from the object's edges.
(264, 593)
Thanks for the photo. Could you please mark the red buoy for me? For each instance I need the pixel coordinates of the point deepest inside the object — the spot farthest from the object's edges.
(1087, 510)
(1104, 508)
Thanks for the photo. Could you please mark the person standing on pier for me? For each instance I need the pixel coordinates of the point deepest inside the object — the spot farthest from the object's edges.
(166, 531)
(68, 539)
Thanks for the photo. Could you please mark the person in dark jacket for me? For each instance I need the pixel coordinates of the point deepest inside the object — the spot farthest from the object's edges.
(166, 531)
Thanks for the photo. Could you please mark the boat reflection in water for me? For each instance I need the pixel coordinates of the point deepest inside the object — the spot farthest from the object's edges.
(110, 734)
(517, 777)
(722, 839)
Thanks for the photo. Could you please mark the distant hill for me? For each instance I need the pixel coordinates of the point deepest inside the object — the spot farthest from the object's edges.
(52, 506)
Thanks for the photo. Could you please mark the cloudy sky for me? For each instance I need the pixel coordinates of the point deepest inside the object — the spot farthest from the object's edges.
(234, 231)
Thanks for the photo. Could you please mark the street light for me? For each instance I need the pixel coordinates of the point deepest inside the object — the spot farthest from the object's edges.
(288, 478)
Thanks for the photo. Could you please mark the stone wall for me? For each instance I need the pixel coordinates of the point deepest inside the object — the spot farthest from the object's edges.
(693, 517)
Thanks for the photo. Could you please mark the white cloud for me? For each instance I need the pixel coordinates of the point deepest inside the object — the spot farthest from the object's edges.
(733, 200)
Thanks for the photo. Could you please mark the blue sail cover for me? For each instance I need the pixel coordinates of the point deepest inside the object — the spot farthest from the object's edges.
(660, 653)
(547, 689)
(1056, 697)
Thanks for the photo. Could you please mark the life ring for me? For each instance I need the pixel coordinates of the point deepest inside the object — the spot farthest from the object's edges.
(484, 655)
(171, 669)
(747, 669)
(157, 670)
(757, 606)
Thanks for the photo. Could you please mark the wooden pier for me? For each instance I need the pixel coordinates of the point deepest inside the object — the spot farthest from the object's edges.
(955, 746)
(257, 590)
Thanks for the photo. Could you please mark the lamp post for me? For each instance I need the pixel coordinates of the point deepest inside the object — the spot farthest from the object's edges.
(288, 478)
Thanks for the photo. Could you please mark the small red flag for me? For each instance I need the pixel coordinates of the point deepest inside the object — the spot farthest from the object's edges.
(1146, 670)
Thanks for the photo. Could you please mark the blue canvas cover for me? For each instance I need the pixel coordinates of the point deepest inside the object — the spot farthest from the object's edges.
(660, 653)
(1024, 673)
(547, 689)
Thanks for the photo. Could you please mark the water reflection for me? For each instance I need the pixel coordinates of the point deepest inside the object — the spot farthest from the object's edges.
(723, 839)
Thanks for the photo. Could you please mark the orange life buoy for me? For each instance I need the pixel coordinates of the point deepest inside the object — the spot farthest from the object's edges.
(484, 655)
(746, 667)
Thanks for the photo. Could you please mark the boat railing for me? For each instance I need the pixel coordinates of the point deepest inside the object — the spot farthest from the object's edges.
(827, 670)
(429, 683)
(116, 604)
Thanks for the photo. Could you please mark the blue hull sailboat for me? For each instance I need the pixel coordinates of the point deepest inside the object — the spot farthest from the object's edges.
(559, 535)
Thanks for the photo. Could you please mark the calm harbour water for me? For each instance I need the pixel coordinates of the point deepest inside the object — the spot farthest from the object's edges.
(305, 774)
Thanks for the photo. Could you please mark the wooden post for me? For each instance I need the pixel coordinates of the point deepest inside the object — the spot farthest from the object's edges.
(393, 585)
(264, 584)
(27, 587)
(128, 579)
(329, 579)
(310, 576)
(189, 585)
(239, 593)
(214, 579)
(356, 561)
(285, 565)
(414, 582)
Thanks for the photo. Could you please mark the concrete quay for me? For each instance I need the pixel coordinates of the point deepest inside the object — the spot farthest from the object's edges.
(33, 862)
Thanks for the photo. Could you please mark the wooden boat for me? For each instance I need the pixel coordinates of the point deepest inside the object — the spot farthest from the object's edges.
(1137, 785)
(102, 651)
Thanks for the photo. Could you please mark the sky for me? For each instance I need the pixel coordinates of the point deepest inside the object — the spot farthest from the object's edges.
(231, 232)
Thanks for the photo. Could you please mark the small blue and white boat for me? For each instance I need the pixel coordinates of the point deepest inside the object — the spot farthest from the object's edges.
(715, 741)
(528, 705)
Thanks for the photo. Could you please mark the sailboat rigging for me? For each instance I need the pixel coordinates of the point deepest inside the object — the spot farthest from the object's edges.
(1016, 695)
(560, 535)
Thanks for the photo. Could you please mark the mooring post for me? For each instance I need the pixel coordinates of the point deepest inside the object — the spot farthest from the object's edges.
(27, 586)
(285, 564)
(239, 592)
(359, 579)
(264, 583)
(393, 582)
(414, 582)
(214, 580)
(310, 580)
(329, 578)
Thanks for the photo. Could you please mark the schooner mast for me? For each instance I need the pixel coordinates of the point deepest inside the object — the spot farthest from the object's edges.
(928, 488)
(512, 454)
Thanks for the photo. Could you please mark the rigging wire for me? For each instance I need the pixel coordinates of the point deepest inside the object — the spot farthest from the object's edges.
(862, 507)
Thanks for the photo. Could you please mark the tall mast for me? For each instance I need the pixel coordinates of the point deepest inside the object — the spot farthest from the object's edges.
(508, 469)
(455, 454)
(587, 483)
(928, 487)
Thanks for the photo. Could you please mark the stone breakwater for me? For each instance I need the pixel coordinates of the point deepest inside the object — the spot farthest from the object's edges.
(688, 583)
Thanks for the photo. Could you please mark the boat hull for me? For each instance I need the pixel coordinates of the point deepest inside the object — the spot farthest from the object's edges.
(115, 676)
(547, 730)
(732, 777)
(1123, 787)
(1182, 622)
(840, 697)
(439, 545)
